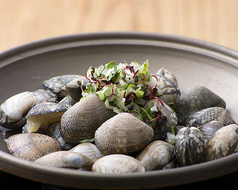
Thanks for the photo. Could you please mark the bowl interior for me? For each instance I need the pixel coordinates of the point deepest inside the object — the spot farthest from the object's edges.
(193, 62)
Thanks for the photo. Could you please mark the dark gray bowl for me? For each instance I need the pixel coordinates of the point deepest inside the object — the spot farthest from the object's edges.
(194, 62)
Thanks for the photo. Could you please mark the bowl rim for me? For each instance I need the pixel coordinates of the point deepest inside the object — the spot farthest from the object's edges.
(114, 37)
(161, 178)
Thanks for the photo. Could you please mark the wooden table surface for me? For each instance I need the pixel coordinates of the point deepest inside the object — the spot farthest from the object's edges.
(23, 21)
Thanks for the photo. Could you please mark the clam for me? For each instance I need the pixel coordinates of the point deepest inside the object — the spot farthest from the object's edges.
(15, 108)
(195, 99)
(156, 155)
(164, 72)
(223, 142)
(74, 87)
(123, 134)
(57, 84)
(165, 121)
(44, 96)
(209, 114)
(31, 146)
(54, 132)
(42, 115)
(209, 129)
(88, 149)
(83, 118)
(168, 89)
(66, 159)
(189, 146)
(67, 102)
(117, 163)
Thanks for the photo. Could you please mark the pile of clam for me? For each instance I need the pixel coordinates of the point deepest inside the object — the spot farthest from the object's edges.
(59, 130)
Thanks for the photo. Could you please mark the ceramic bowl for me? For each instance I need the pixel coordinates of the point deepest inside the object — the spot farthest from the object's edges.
(194, 62)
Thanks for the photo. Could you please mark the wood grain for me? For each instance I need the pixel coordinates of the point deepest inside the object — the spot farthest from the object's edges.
(23, 21)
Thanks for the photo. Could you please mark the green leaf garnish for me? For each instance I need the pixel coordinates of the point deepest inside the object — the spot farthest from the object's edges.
(124, 88)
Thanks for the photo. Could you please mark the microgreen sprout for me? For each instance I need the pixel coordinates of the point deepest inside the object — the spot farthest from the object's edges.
(125, 88)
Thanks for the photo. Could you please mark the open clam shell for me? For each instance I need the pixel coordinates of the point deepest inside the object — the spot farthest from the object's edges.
(42, 115)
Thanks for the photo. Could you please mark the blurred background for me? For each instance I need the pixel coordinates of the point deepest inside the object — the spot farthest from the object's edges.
(23, 21)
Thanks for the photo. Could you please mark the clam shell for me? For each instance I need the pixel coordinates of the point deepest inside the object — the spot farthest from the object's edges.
(117, 163)
(31, 146)
(88, 149)
(66, 159)
(189, 146)
(124, 134)
(14, 109)
(164, 72)
(42, 115)
(156, 155)
(57, 84)
(162, 128)
(67, 102)
(54, 132)
(209, 129)
(74, 89)
(223, 142)
(209, 114)
(195, 99)
(44, 96)
(168, 88)
(83, 118)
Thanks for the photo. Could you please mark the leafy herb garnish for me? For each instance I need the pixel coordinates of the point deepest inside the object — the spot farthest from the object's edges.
(126, 88)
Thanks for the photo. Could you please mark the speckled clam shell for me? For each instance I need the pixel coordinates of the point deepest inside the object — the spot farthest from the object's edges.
(209, 114)
(42, 115)
(31, 146)
(160, 131)
(57, 84)
(189, 146)
(44, 96)
(83, 118)
(164, 72)
(88, 149)
(195, 99)
(223, 142)
(156, 155)
(67, 102)
(168, 89)
(45, 108)
(66, 159)
(54, 132)
(123, 134)
(117, 163)
(209, 129)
